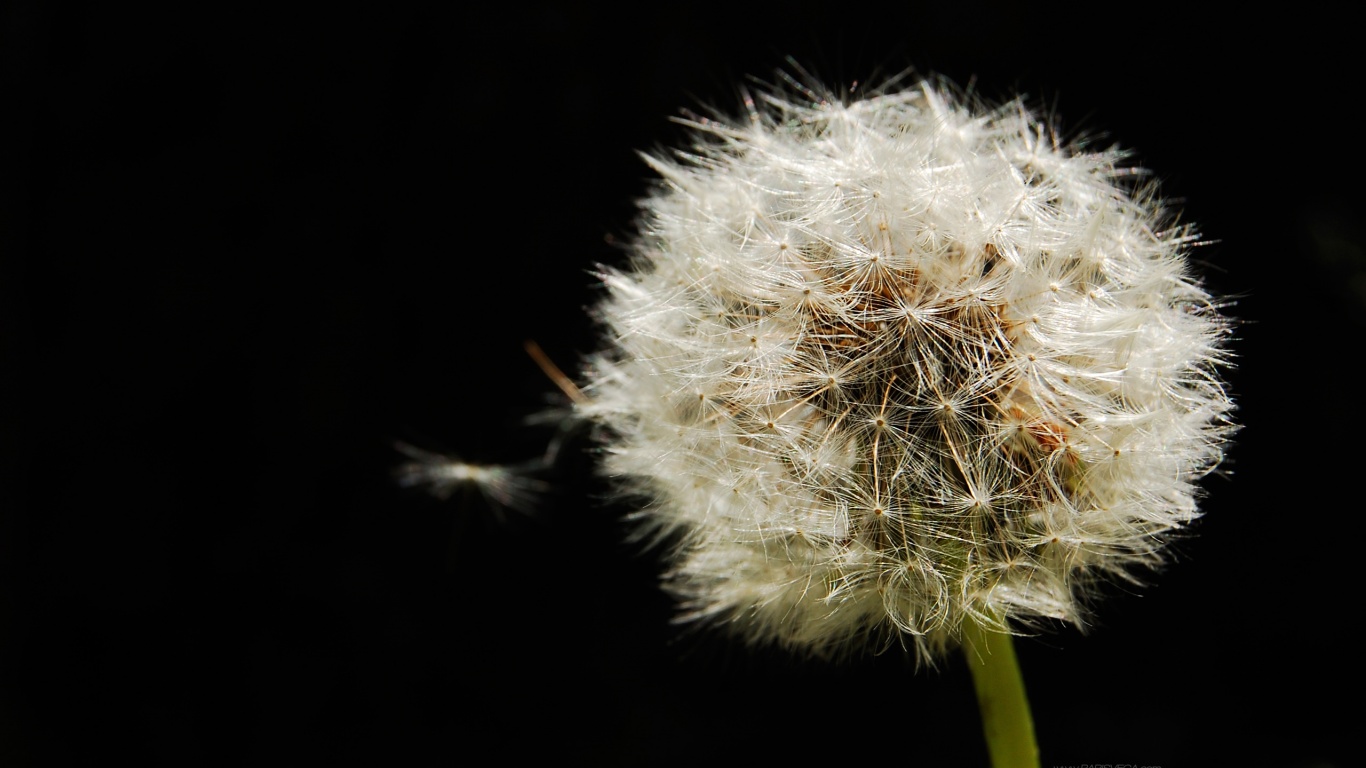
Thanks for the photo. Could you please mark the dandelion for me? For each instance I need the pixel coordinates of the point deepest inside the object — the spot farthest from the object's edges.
(904, 368)
(901, 368)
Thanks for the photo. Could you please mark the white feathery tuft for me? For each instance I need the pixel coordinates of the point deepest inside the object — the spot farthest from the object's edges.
(886, 365)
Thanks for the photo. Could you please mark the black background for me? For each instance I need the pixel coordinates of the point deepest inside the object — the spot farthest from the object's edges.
(245, 249)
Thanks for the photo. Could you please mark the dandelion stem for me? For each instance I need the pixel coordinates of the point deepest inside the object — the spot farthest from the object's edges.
(1006, 720)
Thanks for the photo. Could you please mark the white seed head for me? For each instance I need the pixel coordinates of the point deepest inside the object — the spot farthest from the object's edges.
(884, 365)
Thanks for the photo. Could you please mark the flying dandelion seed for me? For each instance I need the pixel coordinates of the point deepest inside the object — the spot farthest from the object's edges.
(502, 486)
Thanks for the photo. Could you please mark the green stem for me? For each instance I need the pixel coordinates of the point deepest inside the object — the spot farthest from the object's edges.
(1006, 720)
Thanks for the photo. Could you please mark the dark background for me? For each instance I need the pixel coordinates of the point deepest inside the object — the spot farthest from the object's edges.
(243, 250)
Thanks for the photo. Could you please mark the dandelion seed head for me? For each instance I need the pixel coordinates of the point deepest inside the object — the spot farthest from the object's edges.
(881, 366)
